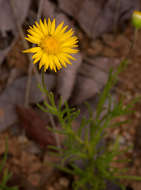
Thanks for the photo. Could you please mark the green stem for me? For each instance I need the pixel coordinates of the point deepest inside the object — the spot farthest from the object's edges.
(50, 116)
(130, 177)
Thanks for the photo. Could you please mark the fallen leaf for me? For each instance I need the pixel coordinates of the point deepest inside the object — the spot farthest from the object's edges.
(8, 28)
(51, 10)
(66, 78)
(15, 94)
(84, 89)
(35, 127)
(91, 79)
(97, 17)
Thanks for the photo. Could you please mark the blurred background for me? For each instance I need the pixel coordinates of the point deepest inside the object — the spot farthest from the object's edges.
(105, 33)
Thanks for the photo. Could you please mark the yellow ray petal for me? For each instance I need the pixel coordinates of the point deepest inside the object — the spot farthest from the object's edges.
(37, 55)
(37, 25)
(42, 27)
(37, 30)
(49, 25)
(64, 29)
(43, 61)
(46, 66)
(61, 60)
(52, 27)
(66, 36)
(68, 56)
(58, 29)
(69, 50)
(46, 26)
(32, 39)
(32, 50)
(57, 63)
(66, 60)
(69, 44)
(36, 60)
(51, 63)
(33, 33)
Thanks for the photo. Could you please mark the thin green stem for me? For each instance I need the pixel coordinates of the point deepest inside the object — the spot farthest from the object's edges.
(130, 177)
(50, 116)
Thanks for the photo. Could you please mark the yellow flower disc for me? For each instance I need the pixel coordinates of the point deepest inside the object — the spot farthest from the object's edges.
(54, 45)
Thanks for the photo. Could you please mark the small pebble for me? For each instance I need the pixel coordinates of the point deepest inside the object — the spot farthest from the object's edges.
(50, 188)
(122, 140)
(64, 182)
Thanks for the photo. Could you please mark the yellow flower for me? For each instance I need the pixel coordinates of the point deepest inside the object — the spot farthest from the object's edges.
(54, 44)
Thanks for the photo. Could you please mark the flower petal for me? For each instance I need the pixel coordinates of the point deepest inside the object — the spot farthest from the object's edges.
(42, 27)
(32, 50)
(52, 27)
(59, 27)
(49, 25)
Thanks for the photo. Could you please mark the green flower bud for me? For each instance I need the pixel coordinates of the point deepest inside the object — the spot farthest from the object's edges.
(136, 19)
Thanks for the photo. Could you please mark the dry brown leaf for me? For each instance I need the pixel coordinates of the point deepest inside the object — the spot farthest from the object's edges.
(66, 78)
(98, 17)
(35, 127)
(8, 28)
(91, 78)
(15, 94)
(50, 9)
(84, 89)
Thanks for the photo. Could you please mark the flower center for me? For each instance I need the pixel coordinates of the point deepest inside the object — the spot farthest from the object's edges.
(50, 45)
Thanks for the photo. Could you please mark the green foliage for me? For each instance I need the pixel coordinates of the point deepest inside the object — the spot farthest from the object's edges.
(83, 143)
(5, 174)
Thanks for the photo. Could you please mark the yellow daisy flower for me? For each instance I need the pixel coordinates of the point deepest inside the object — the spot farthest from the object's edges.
(54, 44)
